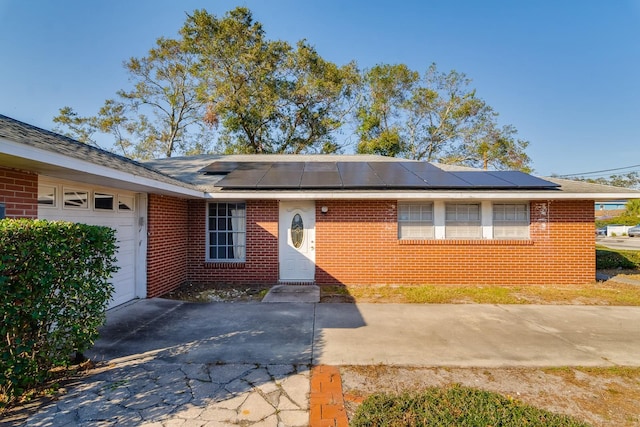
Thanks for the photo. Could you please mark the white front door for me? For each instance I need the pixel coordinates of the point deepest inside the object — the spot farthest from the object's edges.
(297, 236)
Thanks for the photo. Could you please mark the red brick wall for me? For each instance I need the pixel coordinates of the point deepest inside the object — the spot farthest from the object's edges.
(167, 244)
(356, 243)
(19, 193)
(261, 266)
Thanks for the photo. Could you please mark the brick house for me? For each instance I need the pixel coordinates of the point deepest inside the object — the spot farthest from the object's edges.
(357, 220)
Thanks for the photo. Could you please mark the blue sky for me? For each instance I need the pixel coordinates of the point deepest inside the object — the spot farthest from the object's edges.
(566, 74)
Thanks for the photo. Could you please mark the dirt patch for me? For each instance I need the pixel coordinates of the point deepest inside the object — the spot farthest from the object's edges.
(600, 396)
(218, 292)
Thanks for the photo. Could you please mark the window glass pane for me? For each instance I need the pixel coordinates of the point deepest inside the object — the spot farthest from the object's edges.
(46, 195)
(227, 228)
(76, 199)
(513, 224)
(103, 201)
(125, 203)
(415, 220)
(462, 221)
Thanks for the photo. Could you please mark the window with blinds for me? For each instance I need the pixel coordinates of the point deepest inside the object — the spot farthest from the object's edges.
(415, 220)
(462, 221)
(510, 221)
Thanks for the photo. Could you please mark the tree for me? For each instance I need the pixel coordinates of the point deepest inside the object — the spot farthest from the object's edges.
(267, 96)
(160, 116)
(434, 117)
(633, 208)
(628, 180)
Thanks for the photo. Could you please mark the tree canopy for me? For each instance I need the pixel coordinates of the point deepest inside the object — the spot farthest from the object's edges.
(268, 96)
(433, 117)
(161, 115)
(627, 180)
(223, 86)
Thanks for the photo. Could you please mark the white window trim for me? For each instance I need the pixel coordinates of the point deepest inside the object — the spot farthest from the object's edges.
(56, 197)
(475, 224)
(66, 190)
(525, 223)
(486, 220)
(104, 193)
(126, 196)
(428, 225)
(208, 235)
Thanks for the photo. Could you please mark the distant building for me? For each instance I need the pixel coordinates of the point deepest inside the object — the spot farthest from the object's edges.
(610, 208)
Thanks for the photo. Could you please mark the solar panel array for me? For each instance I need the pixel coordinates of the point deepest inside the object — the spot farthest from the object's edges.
(363, 175)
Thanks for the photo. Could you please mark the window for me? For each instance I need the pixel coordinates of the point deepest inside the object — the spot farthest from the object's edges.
(47, 195)
(415, 220)
(103, 201)
(125, 203)
(462, 221)
(76, 199)
(226, 224)
(2, 215)
(510, 221)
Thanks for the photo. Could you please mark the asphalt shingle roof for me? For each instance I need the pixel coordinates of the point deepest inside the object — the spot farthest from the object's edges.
(32, 136)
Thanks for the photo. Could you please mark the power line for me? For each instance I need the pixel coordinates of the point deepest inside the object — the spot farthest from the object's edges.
(596, 172)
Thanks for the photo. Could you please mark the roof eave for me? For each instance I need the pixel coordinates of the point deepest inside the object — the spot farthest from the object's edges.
(58, 165)
(407, 195)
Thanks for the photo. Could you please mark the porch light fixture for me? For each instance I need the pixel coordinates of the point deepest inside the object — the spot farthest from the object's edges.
(324, 209)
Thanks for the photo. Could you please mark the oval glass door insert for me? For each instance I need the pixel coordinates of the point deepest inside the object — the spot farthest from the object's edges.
(297, 231)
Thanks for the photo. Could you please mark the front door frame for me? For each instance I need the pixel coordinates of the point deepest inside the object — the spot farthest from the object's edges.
(296, 265)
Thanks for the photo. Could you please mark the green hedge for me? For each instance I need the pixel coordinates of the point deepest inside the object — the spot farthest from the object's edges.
(54, 290)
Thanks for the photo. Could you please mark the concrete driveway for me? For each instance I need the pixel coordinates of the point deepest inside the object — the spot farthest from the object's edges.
(173, 363)
(403, 334)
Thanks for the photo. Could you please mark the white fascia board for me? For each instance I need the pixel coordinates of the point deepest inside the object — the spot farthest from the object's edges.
(415, 195)
(65, 162)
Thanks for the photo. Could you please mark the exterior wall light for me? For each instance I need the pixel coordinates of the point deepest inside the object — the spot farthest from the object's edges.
(324, 209)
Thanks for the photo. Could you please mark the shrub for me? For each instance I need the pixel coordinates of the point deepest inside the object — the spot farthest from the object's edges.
(621, 220)
(54, 290)
(454, 406)
(613, 258)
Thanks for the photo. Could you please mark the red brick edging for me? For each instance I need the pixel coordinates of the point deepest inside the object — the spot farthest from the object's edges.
(326, 402)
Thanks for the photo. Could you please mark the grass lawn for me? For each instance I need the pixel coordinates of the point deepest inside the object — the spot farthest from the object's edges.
(453, 406)
(604, 293)
(617, 263)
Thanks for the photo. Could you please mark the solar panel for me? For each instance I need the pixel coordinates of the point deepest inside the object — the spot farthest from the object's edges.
(482, 179)
(372, 175)
(281, 176)
(523, 180)
(435, 177)
(396, 175)
(321, 180)
(220, 167)
(241, 179)
(358, 175)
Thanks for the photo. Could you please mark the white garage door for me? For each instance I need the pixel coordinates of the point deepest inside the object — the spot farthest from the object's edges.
(76, 202)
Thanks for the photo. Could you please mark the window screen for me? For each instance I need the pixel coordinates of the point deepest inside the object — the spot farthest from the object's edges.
(415, 220)
(511, 221)
(462, 221)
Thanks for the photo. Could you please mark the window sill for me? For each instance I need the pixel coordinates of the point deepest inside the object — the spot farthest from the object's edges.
(468, 242)
(224, 265)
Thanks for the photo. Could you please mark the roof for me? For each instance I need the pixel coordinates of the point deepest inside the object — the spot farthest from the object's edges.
(194, 170)
(46, 143)
(28, 147)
